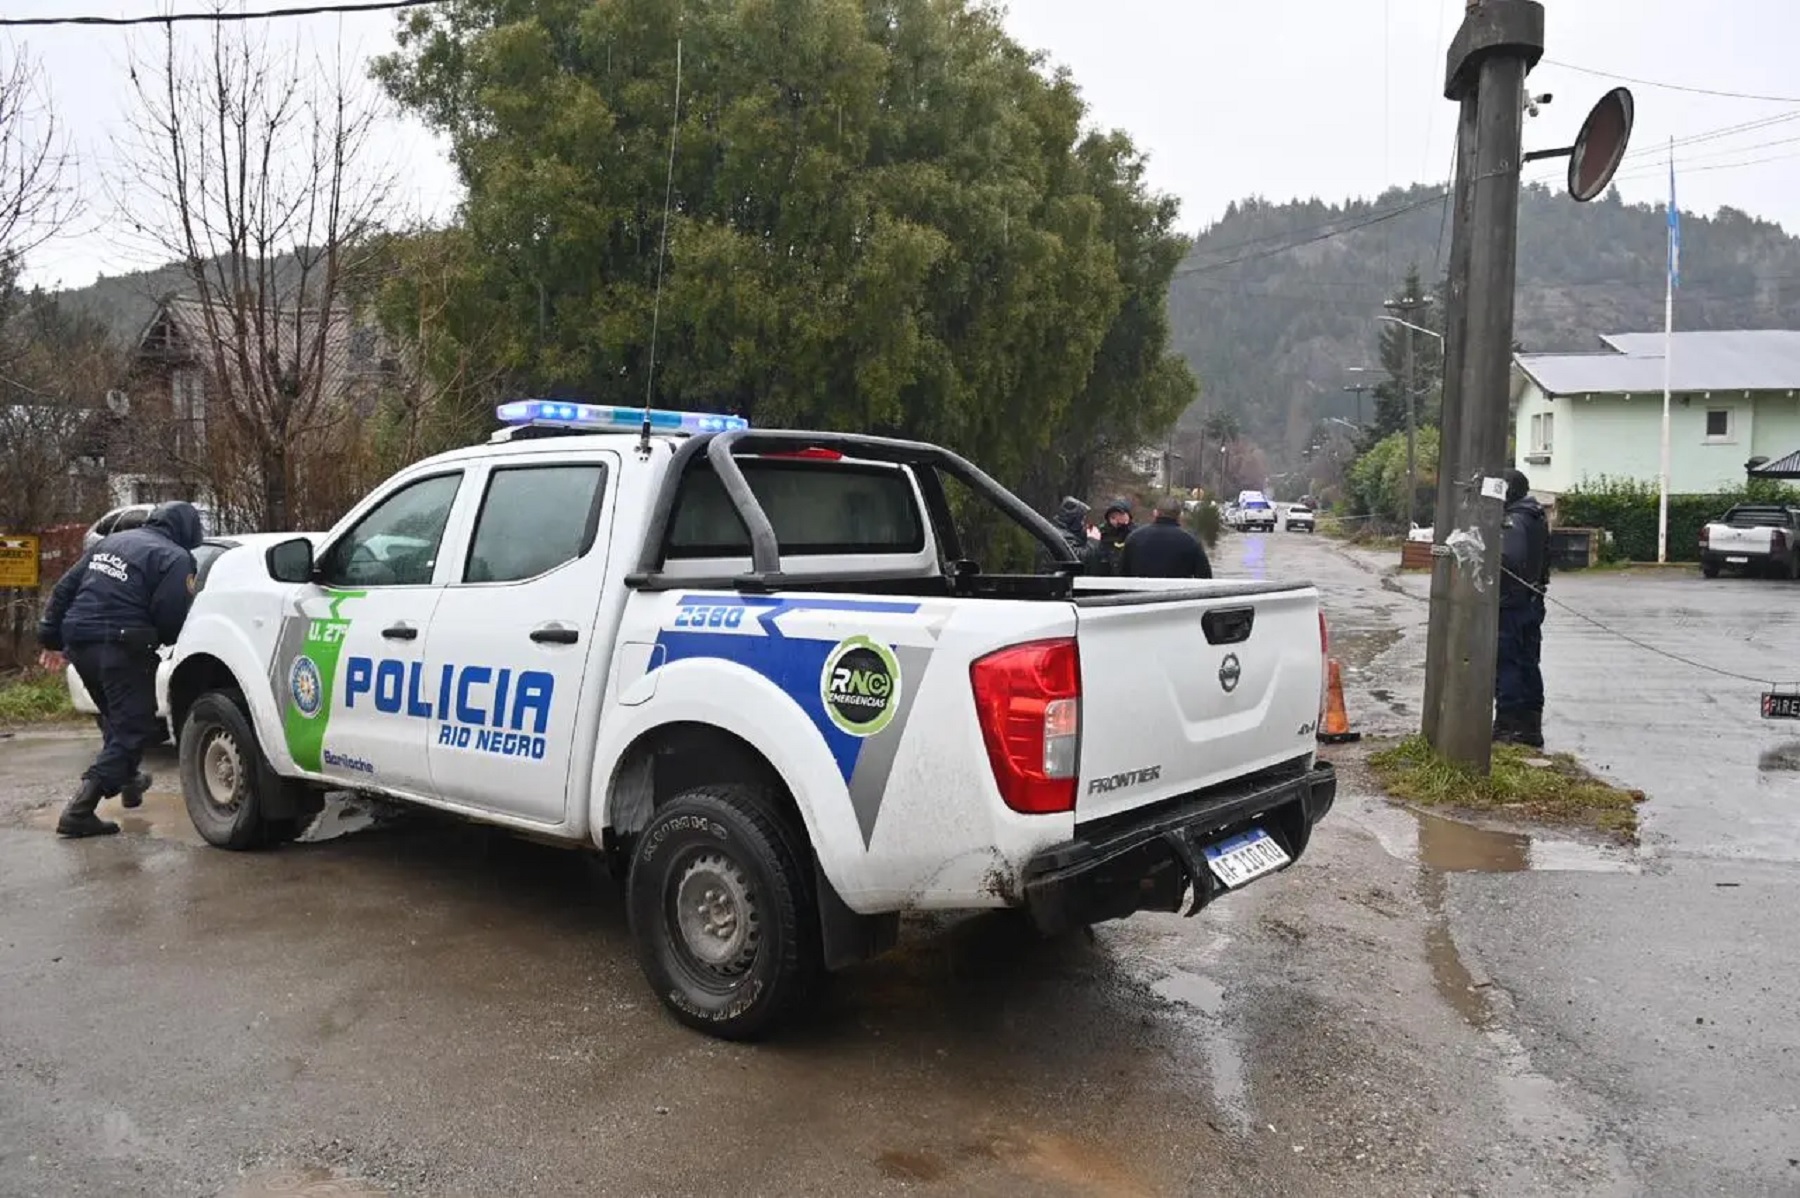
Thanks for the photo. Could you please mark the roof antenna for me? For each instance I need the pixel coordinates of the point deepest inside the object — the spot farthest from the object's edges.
(661, 253)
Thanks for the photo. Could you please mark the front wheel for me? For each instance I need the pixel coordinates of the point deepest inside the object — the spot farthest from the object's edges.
(720, 904)
(224, 777)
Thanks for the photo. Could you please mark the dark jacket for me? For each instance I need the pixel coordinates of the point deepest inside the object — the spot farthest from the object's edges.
(1524, 552)
(1071, 521)
(1164, 550)
(133, 588)
(1103, 555)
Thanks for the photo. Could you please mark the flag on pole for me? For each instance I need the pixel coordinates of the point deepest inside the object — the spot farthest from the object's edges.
(1674, 229)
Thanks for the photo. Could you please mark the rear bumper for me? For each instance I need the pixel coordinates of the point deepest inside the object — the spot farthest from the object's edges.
(1148, 860)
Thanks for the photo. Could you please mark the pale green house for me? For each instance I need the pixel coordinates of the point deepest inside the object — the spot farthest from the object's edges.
(1581, 417)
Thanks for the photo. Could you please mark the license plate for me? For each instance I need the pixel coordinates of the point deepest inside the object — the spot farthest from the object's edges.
(1781, 707)
(1245, 858)
(1737, 561)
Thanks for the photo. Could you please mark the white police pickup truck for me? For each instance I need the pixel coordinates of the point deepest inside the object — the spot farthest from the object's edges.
(756, 670)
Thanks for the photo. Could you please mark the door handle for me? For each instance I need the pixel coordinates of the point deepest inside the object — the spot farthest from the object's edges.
(554, 635)
(401, 632)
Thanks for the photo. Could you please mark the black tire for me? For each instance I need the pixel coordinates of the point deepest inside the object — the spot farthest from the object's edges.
(1709, 569)
(220, 755)
(727, 845)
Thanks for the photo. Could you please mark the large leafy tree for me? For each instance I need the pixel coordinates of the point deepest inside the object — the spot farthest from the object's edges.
(884, 216)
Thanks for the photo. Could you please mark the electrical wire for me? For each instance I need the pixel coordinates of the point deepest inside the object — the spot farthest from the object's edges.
(1674, 87)
(1366, 222)
(310, 10)
(1541, 593)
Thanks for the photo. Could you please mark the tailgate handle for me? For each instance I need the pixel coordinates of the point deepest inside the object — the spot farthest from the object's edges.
(1228, 625)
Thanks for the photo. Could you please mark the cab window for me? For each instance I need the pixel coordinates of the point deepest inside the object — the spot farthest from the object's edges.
(396, 543)
(534, 519)
(815, 507)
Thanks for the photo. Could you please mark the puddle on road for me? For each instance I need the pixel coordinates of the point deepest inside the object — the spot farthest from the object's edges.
(164, 816)
(1448, 846)
(1067, 1164)
(1201, 993)
(307, 1183)
(1782, 758)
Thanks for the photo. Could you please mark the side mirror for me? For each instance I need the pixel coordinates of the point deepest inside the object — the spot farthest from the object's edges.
(291, 561)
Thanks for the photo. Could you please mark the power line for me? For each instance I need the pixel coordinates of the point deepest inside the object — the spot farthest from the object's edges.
(311, 10)
(1366, 222)
(1673, 87)
(1629, 639)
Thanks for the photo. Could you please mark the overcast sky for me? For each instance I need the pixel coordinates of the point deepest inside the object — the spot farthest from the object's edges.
(1281, 98)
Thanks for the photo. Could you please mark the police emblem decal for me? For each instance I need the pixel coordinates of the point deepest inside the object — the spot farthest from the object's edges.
(306, 687)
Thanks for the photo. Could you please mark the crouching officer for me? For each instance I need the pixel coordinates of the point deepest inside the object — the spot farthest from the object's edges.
(1524, 576)
(127, 595)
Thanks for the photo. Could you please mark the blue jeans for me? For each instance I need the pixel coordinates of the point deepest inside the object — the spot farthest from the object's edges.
(1518, 683)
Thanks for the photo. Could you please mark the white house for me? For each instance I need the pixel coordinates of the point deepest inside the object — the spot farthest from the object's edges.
(1580, 417)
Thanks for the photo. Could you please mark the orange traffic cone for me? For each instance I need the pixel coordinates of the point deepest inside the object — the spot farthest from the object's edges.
(1336, 730)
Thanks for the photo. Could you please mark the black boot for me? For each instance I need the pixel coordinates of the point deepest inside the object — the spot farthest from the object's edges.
(78, 818)
(1507, 728)
(1531, 729)
(133, 794)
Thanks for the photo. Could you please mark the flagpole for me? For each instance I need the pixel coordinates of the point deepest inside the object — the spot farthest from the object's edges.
(1674, 235)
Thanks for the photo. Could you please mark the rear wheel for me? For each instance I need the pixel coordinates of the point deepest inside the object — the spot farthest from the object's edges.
(225, 779)
(721, 906)
(1709, 568)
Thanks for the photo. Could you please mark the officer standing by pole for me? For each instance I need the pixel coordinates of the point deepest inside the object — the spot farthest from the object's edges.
(127, 595)
(1524, 576)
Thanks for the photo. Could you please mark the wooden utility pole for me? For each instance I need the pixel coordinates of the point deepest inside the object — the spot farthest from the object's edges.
(1499, 42)
(1408, 308)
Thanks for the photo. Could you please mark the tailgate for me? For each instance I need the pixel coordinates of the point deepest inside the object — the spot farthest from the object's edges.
(1723, 538)
(1186, 686)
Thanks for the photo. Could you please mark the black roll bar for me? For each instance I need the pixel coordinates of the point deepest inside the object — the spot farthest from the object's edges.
(721, 450)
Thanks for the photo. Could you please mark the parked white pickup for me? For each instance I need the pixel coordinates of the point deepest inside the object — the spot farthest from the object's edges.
(1754, 538)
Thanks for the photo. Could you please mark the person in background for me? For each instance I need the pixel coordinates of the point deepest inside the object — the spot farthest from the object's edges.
(1163, 548)
(1115, 529)
(127, 595)
(1524, 577)
(1071, 521)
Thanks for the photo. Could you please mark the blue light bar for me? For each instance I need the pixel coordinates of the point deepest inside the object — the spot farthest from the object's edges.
(599, 417)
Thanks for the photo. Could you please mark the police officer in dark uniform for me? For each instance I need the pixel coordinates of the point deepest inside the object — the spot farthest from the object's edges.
(1525, 575)
(1115, 528)
(127, 595)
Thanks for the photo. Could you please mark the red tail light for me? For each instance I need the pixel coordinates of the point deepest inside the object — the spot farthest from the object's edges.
(1705, 536)
(812, 453)
(1028, 699)
(1778, 540)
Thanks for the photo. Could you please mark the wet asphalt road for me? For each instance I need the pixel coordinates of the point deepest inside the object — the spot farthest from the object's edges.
(430, 1009)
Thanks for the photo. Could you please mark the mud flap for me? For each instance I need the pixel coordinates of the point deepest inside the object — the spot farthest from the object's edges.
(846, 936)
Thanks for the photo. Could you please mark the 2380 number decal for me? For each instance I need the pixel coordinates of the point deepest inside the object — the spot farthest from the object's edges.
(699, 616)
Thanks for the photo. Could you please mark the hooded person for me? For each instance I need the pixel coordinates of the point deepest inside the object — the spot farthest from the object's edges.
(127, 595)
(1115, 528)
(1071, 521)
(1524, 577)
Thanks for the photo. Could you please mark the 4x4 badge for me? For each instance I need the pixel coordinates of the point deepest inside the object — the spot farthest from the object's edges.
(1229, 672)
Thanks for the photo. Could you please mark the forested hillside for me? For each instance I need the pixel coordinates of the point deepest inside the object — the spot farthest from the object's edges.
(1277, 300)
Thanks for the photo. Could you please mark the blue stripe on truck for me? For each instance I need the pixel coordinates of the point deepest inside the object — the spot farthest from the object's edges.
(794, 664)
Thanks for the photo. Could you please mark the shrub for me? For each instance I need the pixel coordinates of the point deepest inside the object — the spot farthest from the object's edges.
(1377, 481)
(1627, 509)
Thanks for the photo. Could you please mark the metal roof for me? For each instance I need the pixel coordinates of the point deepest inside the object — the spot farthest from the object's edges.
(1788, 467)
(1734, 360)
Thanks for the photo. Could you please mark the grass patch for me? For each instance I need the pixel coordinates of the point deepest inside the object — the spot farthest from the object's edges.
(1554, 790)
(34, 699)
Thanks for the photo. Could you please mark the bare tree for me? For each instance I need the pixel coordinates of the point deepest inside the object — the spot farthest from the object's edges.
(37, 196)
(250, 169)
